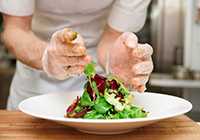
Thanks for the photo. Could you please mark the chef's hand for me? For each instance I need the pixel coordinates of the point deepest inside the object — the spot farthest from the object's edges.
(131, 61)
(65, 56)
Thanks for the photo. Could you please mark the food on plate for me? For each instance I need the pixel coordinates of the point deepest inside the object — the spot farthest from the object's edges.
(104, 98)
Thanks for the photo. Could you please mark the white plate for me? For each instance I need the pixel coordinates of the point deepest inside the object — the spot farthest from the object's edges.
(53, 106)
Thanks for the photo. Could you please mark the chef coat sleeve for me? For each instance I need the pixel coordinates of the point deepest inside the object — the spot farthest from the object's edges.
(128, 15)
(17, 7)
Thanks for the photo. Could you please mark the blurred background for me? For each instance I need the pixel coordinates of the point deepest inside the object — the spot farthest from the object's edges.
(173, 29)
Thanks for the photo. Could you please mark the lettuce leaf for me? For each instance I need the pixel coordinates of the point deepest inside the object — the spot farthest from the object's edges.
(86, 100)
(101, 105)
(89, 70)
(93, 115)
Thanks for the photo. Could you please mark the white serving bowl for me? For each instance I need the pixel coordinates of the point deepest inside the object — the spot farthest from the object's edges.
(53, 107)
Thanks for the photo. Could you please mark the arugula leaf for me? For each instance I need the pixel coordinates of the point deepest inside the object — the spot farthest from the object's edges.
(101, 105)
(93, 115)
(78, 108)
(134, 112)
(85, 99)
(90, 70)
(137, 112)
(128, 112)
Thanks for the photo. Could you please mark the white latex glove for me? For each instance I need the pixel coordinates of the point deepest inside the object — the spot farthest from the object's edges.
(65, 56)
(131, 61)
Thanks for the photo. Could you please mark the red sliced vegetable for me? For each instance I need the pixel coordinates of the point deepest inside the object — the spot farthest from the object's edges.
(73, 105)
(120, 96)
(78, 114)
(101, 82)
(91, 92)
(113, 84)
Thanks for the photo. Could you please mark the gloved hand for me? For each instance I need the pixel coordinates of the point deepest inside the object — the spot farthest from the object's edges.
(131, 61)
(65, 56)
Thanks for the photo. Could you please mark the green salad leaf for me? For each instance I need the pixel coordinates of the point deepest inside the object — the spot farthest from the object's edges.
(93, 115)
(78, 108)
(86, 100)
(89, 70)
(101, 105)
(94, 87)
(129, 112)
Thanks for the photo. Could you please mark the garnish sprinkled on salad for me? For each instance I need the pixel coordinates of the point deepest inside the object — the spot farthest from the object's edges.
(104, 98)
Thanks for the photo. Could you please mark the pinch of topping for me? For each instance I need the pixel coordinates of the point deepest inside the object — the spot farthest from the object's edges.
(69, 36)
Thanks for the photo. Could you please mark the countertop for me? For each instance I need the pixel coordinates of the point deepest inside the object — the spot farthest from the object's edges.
(15, 125)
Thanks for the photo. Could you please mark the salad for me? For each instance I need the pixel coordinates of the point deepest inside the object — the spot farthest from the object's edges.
(104, 98)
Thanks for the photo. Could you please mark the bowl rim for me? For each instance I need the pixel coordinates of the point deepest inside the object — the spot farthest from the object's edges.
(81, 120)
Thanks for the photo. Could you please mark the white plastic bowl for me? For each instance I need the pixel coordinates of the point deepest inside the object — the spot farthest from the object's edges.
(53, 107)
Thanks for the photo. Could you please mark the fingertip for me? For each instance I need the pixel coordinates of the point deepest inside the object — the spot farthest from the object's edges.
(142, 68)
(148, 48)
(137, 86)
(128, 39)
(141, 88)
(143, 51)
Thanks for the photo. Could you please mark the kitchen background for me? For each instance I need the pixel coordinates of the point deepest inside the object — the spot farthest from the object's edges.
(173, 29)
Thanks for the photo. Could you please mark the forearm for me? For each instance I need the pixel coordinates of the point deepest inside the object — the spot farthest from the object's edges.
(24, 45)
(108, 37)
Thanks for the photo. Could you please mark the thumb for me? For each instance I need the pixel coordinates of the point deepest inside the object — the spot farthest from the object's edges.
(129, 39)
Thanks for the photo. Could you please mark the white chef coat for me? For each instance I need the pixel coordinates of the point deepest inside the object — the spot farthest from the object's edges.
(87, 17)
